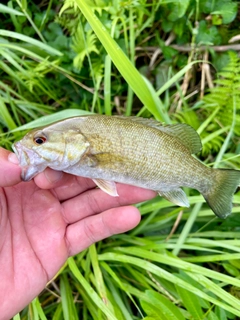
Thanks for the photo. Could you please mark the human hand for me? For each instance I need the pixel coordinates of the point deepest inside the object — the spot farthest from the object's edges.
(43, 222)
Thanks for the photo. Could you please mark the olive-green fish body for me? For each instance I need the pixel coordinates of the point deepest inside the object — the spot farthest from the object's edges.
(129, 150)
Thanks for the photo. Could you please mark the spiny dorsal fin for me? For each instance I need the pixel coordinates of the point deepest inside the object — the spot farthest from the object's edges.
(184, 133)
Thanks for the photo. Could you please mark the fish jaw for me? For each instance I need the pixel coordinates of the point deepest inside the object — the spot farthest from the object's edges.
(30, 168)
(29, 172)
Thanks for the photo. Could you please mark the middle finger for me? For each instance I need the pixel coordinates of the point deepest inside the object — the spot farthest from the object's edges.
(96, 201)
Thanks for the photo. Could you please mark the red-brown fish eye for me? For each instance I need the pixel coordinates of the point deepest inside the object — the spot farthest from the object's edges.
(40, 140)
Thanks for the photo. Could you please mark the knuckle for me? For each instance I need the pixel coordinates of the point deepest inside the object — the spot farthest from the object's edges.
(92, 203)
(90, 231)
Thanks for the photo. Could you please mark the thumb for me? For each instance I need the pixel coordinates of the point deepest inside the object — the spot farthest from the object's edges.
(10, 172)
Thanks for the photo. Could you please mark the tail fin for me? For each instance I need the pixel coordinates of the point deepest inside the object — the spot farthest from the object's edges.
(219, 197)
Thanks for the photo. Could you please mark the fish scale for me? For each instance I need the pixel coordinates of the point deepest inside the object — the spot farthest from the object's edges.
(130, 150)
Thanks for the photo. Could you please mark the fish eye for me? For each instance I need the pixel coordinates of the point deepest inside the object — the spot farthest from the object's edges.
(39, 140)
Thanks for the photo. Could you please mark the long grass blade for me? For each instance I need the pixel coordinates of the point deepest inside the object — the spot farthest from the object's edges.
(45, 120)
(234, 307)
(5, 9)
(92, 294)
(124, 65)
(38, 44)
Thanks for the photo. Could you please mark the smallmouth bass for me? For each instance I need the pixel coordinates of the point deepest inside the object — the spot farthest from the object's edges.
(131, 150)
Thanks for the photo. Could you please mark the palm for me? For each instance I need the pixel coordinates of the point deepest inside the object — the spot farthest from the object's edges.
(41, 227)
(32, 242)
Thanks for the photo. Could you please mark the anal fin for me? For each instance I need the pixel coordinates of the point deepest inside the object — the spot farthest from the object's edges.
(107, 186)
(176, 196)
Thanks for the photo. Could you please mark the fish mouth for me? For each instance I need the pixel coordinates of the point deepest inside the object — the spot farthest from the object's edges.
(29, 161)
(22, 154)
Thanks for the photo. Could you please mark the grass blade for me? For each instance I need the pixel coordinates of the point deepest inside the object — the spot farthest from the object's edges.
(69, 310)
(124, 65)
(5, 9)
(148, 266)
(45, 120)
(191, 303)
(92, 294)
(38, 44)
(163, 307)
(98, 277)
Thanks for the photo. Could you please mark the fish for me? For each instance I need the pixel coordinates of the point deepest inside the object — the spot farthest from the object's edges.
(130, 150)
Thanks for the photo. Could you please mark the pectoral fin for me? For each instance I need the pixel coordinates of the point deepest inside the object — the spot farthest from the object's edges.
(176, 196)
(107, 186)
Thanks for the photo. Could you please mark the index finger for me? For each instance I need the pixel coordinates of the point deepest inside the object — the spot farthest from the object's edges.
(65, 185)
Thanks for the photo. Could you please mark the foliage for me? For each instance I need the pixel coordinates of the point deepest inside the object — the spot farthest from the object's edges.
(159, 59)
(221, 105)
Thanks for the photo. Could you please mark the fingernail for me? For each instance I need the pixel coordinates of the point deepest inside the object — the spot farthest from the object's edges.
(52, 175)
(13, 158)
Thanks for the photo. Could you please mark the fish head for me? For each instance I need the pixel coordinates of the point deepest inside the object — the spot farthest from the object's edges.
(48, 147)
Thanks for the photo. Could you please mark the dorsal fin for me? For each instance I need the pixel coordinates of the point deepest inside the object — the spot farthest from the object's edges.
(184, 133)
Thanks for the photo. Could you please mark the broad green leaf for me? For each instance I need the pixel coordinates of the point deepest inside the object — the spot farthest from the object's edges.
(226, 9)
(163, 306)
(220, 313)
(206, 6)
(153, 311)
(207, 35)
(212, 316)
(191, 303)
(179, 8)
(201, 303)
(231, 269)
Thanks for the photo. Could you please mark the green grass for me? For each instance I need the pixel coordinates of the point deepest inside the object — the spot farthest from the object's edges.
(150, 272)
